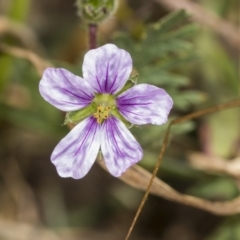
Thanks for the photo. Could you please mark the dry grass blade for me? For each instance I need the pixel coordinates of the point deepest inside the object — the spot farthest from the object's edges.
(139, 178)
(23, 33)
(234, 103)
(215, 164)
(22, 231)
(39, 63)
(225, 29)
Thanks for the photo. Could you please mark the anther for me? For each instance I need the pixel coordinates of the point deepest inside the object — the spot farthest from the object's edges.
(101, 113)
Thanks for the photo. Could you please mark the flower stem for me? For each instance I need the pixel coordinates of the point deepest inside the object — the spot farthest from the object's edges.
(92, 35)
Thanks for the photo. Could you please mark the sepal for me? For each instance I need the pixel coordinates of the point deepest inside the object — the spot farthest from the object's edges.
(79, 115)
(132, 81)
(116, 113)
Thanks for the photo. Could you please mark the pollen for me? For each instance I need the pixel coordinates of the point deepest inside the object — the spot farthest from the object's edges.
(101, 113)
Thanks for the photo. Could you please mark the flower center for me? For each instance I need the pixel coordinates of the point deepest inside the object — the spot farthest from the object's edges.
(104, 104)
(102, 113)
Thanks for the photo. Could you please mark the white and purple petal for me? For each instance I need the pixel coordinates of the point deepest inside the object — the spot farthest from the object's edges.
(119, 148)
(65, 90)
(107, 68)
(144, 103)
(76, 153)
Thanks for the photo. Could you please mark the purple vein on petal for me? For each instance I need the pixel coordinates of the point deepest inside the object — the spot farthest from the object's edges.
(84, 93)
(74, 142)
(120, 135)
(75, 95)
(115, 130)
(100, 88)
(111, 131)
(128, 99)
(65, 149)
(125, 110)
(134, 104)
(64, 102)
(113, 90)
(63, 74)
(88, 129)
(69, 103)
(106, 78)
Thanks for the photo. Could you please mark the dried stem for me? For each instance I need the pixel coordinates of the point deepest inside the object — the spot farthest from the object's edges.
(138, 177)
(24, 34)
(217, 165)
(39, 63)
(185, 118)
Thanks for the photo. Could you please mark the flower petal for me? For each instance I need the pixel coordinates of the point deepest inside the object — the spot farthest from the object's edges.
(76, 153)
(119, 148)
(65, 90)
(107, 68)
(144, 103)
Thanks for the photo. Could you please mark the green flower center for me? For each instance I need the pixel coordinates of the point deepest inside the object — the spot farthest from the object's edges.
(104, 104)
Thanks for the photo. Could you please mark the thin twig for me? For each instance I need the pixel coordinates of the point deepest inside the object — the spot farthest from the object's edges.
(165, 142)
(139, 178)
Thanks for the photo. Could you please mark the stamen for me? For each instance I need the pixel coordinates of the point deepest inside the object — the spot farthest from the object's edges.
(101, 113)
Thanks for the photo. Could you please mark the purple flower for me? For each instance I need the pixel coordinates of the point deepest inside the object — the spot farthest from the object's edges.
(105, 72)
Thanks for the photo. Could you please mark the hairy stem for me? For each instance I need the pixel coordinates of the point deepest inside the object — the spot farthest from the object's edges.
(92, 35)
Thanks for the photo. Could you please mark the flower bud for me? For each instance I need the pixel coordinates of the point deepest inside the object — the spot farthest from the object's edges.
(95, 11)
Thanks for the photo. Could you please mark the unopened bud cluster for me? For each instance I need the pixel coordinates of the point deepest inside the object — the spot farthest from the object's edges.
(95, 11)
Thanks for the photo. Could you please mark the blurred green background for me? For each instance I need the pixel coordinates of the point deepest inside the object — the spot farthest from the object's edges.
(194, 65)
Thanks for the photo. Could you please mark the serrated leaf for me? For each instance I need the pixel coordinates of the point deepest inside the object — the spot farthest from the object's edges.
(154, 51)
(170, 21)
(188, 98)
(168, 64)
(161, 78)
(31, 121)
(163, 51)
(180, 33)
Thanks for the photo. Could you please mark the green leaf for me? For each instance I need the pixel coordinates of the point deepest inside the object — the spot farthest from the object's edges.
(220, 188)
(182, 32)
(188, 98)
(163, 78)
(162, 56)
(170, 21)
(31, 120)
(228, 230)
